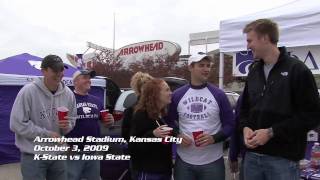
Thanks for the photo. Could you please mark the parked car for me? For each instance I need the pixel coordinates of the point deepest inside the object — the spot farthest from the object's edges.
(125, 100)
(174, 82)
(112, 92)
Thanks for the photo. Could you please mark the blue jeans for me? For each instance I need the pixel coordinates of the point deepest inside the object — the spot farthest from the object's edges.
(186, 171)
(78, 169)
(42, 169)
(265, 167)
(241, 176)
(151, 176)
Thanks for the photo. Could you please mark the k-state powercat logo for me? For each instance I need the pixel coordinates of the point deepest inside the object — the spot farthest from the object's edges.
(86, 110)
(35, 64)
(243, 61)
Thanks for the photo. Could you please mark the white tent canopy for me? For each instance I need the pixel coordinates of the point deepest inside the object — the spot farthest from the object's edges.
(299, 24)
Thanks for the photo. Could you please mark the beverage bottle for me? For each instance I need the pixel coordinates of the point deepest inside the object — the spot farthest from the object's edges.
(315, 156)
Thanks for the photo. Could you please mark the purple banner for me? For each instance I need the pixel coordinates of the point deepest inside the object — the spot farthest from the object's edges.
(242, 61)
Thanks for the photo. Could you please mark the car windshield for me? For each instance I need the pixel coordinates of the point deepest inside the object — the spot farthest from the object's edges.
(130, 100)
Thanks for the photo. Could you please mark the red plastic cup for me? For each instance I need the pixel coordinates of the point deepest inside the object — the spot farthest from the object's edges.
(170, 131)
(104, 114)
(195, 136)
(62, 113)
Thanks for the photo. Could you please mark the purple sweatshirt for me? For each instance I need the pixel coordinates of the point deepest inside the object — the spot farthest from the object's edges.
(88, 115)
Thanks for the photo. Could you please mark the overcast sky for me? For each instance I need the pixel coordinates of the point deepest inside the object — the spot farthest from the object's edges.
(42, 27)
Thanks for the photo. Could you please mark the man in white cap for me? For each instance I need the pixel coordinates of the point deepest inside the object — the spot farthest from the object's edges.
(88, 110)
(200, 108)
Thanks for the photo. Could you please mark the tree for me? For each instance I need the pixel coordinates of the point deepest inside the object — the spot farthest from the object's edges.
(160, 66)
(157, 66)
(214, 73)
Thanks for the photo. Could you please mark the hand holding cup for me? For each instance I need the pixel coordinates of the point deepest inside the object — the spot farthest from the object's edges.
(161, 131)
(106, 118)
(203, 139)
(168, 131)
(63, 117)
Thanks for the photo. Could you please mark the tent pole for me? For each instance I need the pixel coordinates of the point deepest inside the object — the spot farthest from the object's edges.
(206, 45)
(221, 70)
(114, 31)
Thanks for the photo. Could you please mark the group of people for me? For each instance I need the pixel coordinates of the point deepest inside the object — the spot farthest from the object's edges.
(279, 105)
(277, 108)
(195, 106)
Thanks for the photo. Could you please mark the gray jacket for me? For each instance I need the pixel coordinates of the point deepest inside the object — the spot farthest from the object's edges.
(34, 114)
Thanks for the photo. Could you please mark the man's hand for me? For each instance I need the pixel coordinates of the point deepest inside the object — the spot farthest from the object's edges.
(108, 120)
(63, 124)
(54, 135)
(248, 134)
(261, 137)
(186, 140)
(204, 140)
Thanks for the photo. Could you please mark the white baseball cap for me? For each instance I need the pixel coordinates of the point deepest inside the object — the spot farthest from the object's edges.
(198, 57)
(83, 72)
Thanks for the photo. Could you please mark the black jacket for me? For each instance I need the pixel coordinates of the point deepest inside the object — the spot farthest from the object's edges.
(126, 123)
(288, 102)
(153, 157)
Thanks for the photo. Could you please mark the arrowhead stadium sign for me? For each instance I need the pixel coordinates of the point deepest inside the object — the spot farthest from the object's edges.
(141, 50)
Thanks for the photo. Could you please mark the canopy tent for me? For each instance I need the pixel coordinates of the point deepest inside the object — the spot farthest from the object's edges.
(15, 72)
(26, 64)
(22, 68)
(299, 24)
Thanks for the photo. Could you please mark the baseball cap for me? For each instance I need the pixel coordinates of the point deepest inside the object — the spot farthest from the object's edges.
(83, 72)
(54, 62)
(198, 57)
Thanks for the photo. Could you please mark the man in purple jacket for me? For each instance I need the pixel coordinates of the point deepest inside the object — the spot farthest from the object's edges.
(200, 107)
(88, 111)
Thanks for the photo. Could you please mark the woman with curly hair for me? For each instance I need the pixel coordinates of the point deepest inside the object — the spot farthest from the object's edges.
(151, 158)
(136, 83)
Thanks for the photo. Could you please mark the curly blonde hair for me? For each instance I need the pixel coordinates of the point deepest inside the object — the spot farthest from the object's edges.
(137, 80)
(149, 99)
